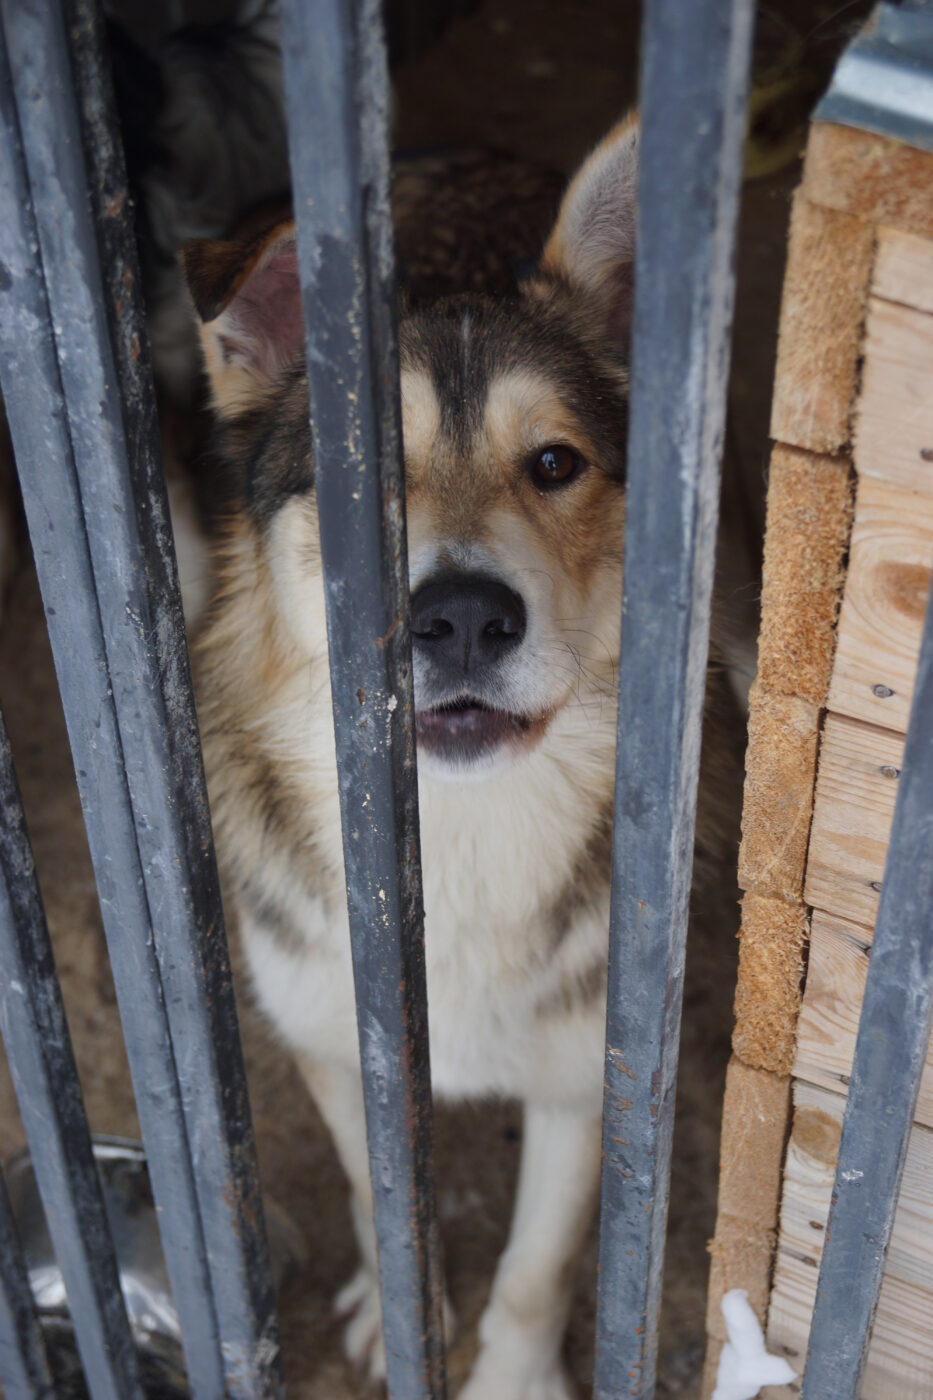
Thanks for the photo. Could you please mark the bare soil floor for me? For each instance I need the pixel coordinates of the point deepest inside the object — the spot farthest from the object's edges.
(542, 81)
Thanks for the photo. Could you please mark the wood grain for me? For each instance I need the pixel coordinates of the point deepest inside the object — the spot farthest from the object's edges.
(894, 414)
(856, 788)
(876, 178)
(854, 375)
(904, 269)
(900, 1358)
(832, 1004)
(780, 770)
(884, 603)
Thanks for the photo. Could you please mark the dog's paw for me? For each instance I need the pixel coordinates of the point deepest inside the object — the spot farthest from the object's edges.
(363, 1343)
(489, 1381)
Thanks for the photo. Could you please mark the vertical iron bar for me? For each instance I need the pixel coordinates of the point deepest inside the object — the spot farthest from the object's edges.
(890, 1052)
(337, 98)
(111, 596)
(36, 413)
(45, 1077)
(694, 81)
(24, 1366)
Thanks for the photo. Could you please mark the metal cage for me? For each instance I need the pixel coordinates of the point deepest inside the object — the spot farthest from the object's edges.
(74, 366)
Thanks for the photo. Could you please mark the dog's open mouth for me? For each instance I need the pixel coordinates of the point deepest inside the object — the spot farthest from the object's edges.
(466, 729)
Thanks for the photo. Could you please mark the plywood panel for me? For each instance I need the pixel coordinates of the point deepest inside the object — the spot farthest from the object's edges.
(832, 1004)
(886, 592)
(900, 1359)
(904, 269)
(894, 414)
(855, 792)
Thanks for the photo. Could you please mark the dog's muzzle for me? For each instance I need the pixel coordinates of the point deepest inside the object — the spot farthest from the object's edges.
(465, 630)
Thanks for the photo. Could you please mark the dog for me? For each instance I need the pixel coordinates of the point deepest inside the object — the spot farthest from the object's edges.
(514, 429)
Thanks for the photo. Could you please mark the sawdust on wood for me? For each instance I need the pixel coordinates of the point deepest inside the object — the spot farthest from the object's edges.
(769, 992)
(808, 522)
(822, 314)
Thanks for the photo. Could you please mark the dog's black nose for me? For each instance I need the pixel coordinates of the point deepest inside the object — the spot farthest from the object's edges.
(466, 622)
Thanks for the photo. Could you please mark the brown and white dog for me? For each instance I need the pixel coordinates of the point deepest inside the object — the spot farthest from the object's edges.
(514, 413)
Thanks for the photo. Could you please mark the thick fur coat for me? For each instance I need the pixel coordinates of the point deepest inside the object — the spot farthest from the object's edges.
(514, 427)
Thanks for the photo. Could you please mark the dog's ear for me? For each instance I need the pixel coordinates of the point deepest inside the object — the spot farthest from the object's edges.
(248, 297)
(592, 246)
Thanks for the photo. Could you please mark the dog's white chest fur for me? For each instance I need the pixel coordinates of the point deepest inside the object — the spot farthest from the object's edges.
(504, 955)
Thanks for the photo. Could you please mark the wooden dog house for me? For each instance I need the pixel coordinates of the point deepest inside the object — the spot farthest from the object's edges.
(847, 566)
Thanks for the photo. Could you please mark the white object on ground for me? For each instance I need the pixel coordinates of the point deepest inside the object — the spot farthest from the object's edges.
(745, 1365)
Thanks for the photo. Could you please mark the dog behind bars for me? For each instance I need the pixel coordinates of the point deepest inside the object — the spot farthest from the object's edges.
(514, 414)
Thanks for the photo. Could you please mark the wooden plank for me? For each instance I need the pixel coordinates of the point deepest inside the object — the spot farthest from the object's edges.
(832, 1004)
(900, 1359)
(780, 770)
(822, 313)
(904, 269)
(755, 1117)
(886, 592)
(900, 1364)
(855, 791)
(772, 940)
(893, 1040)
(872, 177)
(894, 415)
(807, 531)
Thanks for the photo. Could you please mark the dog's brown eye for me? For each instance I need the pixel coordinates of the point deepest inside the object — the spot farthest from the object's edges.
(555, 466)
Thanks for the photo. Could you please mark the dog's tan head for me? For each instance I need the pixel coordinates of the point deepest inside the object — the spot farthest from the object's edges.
(514, 428)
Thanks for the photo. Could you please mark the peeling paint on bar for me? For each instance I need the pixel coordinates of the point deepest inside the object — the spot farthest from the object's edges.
(337, 94)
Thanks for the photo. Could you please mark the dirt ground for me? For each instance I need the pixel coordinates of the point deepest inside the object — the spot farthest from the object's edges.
(543, 81)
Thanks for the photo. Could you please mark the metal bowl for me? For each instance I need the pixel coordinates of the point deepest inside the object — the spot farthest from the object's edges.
(150, 1308)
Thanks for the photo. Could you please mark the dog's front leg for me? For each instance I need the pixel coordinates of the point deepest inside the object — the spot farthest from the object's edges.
(338, 1092)
(521, 1331)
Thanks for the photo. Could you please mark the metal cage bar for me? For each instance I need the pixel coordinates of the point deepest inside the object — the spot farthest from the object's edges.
(33, 399)
(693, 121)
(75, 368)
(337, 97)
(45, 1077)
(24, 1365)
(890, 1052)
